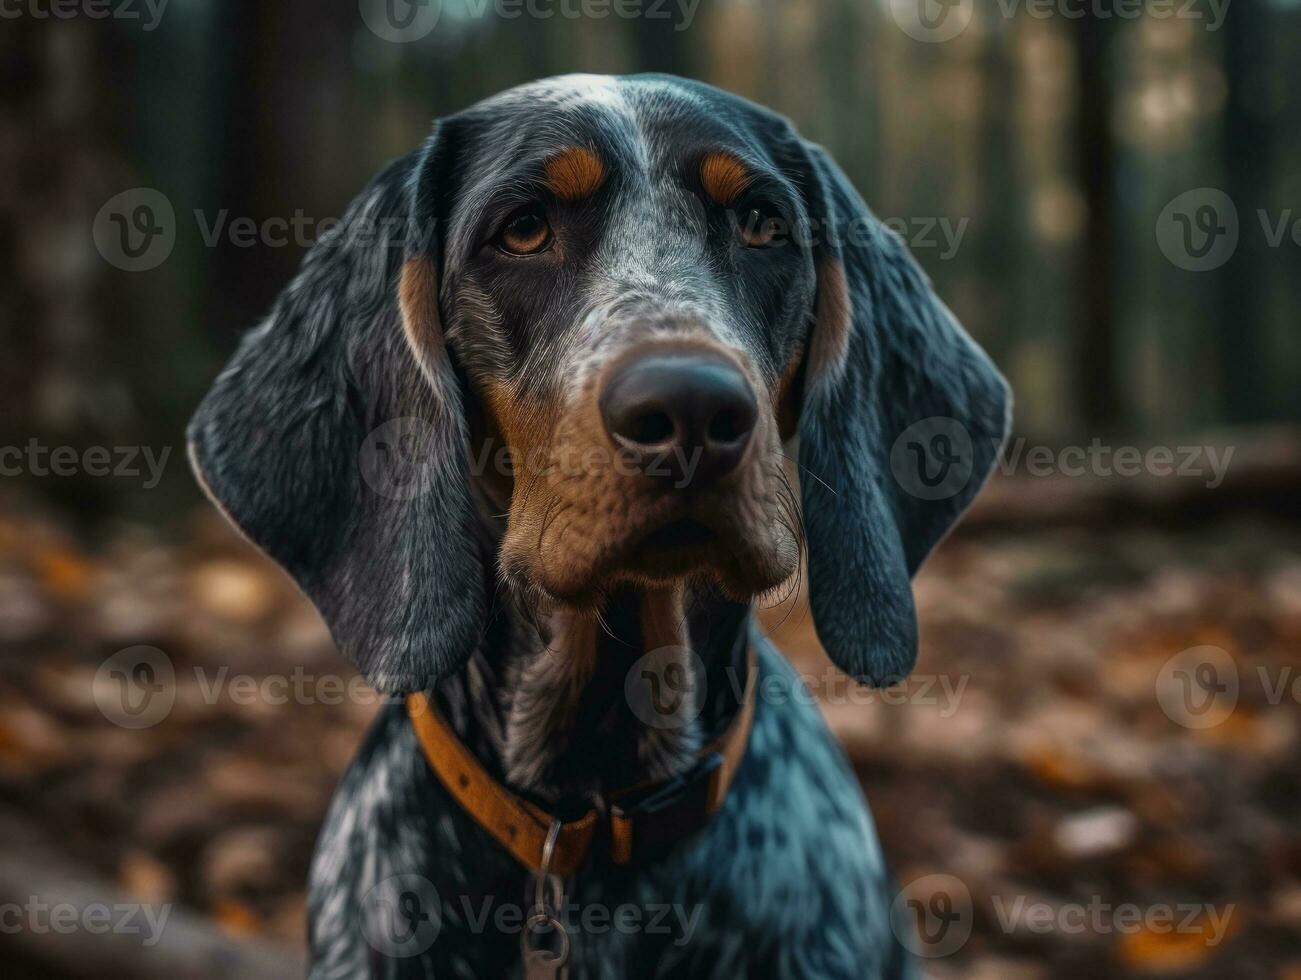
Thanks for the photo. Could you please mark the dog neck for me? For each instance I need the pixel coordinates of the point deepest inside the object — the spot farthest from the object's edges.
(544, 701)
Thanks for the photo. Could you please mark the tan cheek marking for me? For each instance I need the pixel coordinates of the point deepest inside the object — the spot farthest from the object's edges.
(508, 414)
(575, 173)
(829, 345)
(724, 177)
(522, 427)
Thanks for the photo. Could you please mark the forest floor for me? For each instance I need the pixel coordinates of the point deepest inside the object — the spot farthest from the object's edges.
(1048, 781)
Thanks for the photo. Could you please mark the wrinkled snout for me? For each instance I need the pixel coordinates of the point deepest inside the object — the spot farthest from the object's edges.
(688, 412)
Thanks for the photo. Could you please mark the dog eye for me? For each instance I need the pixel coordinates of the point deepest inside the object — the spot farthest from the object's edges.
(756, 225)
(526, 233)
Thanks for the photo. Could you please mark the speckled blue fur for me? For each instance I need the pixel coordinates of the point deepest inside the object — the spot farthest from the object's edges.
(788, 876)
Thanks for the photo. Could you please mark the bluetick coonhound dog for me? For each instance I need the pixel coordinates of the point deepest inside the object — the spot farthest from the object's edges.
(525, 454)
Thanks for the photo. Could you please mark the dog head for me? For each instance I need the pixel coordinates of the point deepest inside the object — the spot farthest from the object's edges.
(610, 304)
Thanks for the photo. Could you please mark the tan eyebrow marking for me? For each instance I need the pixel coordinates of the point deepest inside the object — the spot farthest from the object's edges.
(574, 173)
(724, 177)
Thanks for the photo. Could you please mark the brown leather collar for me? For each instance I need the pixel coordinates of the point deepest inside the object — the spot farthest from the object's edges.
(641, 818)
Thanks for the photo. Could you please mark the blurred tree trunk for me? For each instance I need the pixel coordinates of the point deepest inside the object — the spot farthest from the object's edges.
(658, 44)
(60, 382)
(850, 91)
(49, 271)
(1247, 166)
(1000, 221)
(21, 60)
(1097, 392)
(283, 64)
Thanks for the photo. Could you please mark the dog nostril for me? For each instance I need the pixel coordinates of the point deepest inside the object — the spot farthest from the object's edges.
(727, 426)
(649, 429)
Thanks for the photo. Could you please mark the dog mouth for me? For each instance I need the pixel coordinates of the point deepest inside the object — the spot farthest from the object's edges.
(677, 548)
(684, 534)
(741, 558)
(697, 546)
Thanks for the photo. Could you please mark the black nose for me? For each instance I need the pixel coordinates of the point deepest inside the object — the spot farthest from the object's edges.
(689, 416)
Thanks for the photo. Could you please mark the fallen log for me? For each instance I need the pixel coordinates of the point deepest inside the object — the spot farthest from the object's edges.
(1259, 470)
(60, 920)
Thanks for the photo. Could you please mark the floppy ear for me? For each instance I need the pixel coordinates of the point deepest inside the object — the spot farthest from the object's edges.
(338, 445)
(902, 419)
